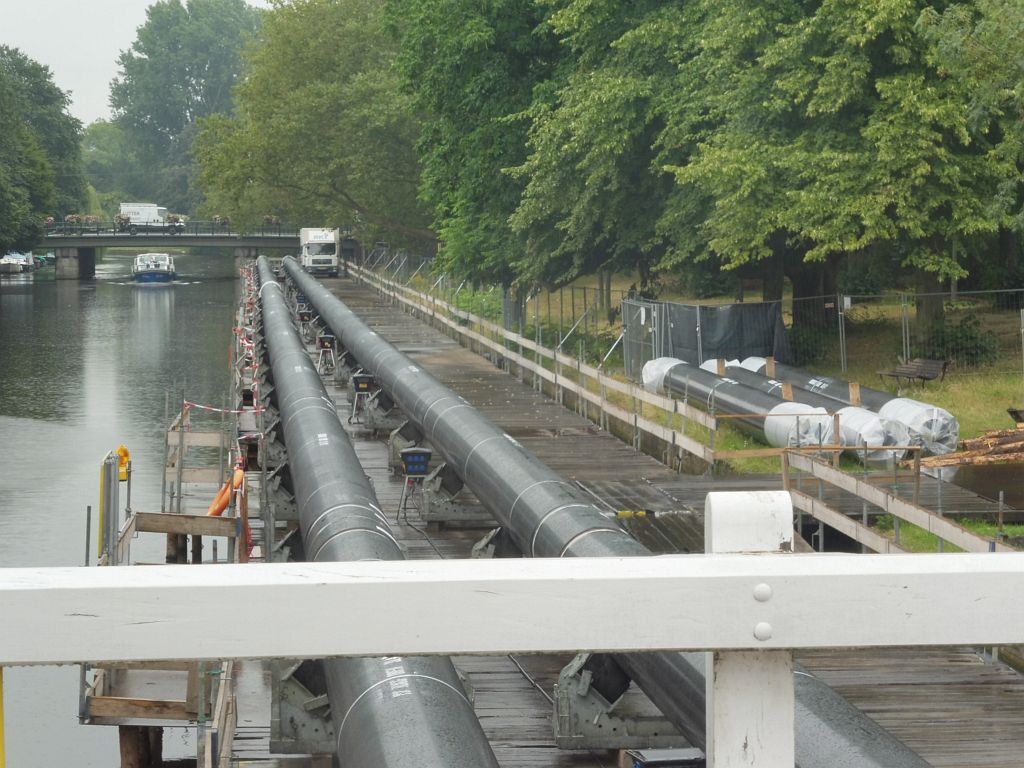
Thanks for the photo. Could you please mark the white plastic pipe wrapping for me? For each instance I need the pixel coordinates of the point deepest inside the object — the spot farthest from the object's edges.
(927, 425)
(858, 427)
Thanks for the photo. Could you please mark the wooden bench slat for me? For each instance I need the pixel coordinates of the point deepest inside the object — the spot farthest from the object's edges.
(918, 368)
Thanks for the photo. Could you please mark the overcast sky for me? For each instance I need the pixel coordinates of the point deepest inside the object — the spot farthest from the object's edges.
(79, 41)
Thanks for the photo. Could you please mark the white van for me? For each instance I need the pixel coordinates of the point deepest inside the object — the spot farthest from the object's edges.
(319, 250)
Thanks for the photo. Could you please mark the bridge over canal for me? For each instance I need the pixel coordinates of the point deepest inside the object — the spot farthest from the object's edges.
(75, 247)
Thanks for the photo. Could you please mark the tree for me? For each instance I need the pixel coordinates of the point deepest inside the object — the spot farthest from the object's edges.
(41, 107)
(111, 165)
(978, 45)
(183, 66)
(833, 133)
(26, 177)
(593, 192)
(472, 69)
(323, 132)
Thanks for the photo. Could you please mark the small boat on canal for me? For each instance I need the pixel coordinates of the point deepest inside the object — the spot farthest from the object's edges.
(153, 268)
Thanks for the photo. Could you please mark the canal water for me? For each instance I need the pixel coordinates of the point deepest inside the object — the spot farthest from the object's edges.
(84, 367)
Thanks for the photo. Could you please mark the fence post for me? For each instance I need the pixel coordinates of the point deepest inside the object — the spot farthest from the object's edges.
(700, 345)
(905, 321)
(841, 303)
(1022, 342)
(750, 694)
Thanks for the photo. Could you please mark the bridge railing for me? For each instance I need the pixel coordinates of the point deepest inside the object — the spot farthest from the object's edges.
(194, 228)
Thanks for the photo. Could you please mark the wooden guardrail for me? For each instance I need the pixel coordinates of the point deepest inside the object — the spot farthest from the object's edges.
(450, 316)
(944, 529)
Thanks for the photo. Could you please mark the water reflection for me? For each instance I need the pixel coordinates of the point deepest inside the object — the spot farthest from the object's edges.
(84, 366)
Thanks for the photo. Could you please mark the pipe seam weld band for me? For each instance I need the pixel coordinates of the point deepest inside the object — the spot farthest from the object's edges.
(465, 464)
(408, 675)
(293, 411)
(586, 533)
(371, 531)
(437, 419)
(543, 520)
(312, 526)
(527, 489)
(264, 285)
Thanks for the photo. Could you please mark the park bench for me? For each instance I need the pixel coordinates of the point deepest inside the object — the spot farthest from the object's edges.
(919, 368)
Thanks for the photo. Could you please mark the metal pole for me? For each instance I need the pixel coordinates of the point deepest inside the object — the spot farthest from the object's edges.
(163, 473)
(841, 301)
(3, 749)
(88, 532)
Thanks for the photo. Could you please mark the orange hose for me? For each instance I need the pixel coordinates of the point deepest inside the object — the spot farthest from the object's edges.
(223, 497)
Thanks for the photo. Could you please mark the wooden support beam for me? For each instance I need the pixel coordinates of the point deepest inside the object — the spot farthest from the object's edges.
(195, 525)
(153, 709)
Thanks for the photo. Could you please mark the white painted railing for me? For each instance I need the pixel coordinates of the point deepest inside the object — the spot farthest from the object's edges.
(745, 602)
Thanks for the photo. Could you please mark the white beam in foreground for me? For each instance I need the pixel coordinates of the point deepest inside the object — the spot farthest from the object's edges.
(749, 694)
(695, 602)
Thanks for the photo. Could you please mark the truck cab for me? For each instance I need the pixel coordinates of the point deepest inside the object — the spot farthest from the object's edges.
(319, 250)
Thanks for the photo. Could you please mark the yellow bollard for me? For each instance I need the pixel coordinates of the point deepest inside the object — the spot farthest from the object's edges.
(3, 759)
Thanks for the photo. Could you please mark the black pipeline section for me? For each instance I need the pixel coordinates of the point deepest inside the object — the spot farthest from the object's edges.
(548, 517)
(391, 712)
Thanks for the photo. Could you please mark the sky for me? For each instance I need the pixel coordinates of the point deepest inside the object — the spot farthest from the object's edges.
(79, 40)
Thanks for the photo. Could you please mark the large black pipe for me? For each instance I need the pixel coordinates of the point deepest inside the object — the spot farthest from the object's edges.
(548, 517)
(767, 415)
(392, 712)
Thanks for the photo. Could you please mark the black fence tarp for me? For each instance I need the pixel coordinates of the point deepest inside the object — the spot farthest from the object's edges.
(696, 333)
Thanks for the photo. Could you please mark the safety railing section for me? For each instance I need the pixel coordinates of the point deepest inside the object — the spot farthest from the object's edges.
(680, 426)
(883, 500)
(564, 373)
(745, 601)
(223, 227)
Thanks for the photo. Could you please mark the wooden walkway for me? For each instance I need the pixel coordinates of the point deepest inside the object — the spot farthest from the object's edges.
(955, 707)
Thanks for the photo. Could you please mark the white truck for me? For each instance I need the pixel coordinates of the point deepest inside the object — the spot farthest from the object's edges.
(319, 249)
(147, 217)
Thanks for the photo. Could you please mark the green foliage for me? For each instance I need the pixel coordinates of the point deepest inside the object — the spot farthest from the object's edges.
(978, 45)
(323, 133)
(964, 342)
(111, 165)
(593, 189)
(182, 67)
(40, 168)
(39, 109)
(472, 70)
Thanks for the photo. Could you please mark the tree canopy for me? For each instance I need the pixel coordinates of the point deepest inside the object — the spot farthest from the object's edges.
(40, 161)
(181, 67)
(551, 138)
(323, 134)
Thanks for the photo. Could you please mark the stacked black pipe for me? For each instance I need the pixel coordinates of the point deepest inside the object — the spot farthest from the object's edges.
(393, 712)
(548, 517)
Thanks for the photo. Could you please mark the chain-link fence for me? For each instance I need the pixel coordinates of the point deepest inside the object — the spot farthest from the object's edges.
(974, 332)
(977, 332)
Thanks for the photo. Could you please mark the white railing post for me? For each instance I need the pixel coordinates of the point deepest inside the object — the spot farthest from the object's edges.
(750, 697)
